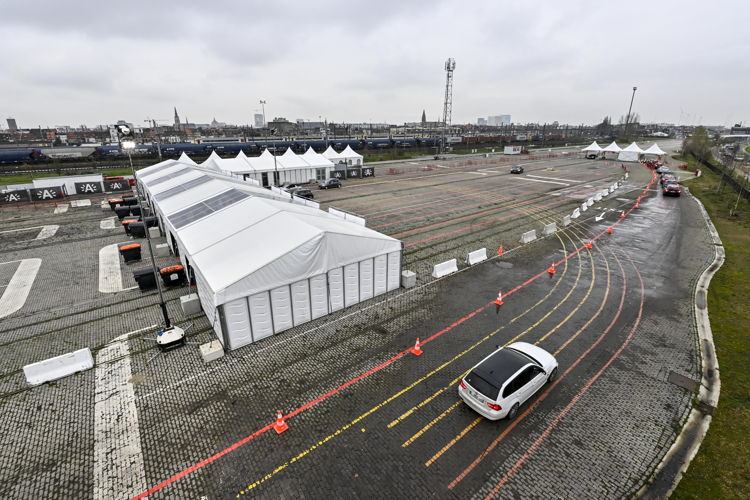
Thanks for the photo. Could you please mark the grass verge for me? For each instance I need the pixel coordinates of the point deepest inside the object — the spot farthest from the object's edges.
(721, 469)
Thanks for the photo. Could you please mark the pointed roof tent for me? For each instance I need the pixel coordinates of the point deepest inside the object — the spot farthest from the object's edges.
(331, 154)
(263, 163)
(633, 148)
(613, 148)
(290, 160)
(184, 158)
(592, 147)
(315, 159)
(213, 162)
(350, 153)
(655, 150)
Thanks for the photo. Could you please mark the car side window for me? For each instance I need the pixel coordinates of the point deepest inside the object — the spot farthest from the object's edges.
(526, 376)
(511, 387)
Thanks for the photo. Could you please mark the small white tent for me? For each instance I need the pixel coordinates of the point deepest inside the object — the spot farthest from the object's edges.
(654, 150)
(333, 156)
(593, 147)
(630, 153)
(351, 157)
(612, 148)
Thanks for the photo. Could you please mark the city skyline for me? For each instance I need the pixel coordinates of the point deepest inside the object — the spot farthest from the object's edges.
(573, 63)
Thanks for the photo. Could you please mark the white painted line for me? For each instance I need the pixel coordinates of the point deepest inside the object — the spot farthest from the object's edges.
(118, 461)
(476, 173)
(599, 217)
(538, 180)
(441, 166)
(108, 223)
(47, 232)
(22, 229)
(550, 178)
(110, 277)
(61, 209)
(80, 203)
(19, 286)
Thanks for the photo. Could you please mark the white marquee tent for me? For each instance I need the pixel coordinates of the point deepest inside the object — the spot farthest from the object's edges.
(592, 147)
(263, 264)
(612, 148)
(333, 156)
(351, 157)
(654, 150)
(630, 153)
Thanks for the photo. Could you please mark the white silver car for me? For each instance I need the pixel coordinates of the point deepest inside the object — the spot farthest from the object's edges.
(499, 384)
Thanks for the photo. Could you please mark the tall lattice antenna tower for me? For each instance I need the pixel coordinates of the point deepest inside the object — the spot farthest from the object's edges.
(450, 66)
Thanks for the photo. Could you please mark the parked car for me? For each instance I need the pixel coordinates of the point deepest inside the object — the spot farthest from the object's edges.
(668, 177)
(672, 189)
(518, 169)
(330, 183)
(663, 169)
(591, 156)
(289, 186)
(499, 384)
(302, 193)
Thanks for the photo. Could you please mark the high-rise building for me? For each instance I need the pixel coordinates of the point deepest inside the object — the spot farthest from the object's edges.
(258, 118)
(497, 120)
(482, 122)
(12, 124)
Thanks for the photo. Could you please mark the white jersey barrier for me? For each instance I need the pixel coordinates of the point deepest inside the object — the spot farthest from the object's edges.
(598, 197)
(528, 236)
(445, 268)
(589, 202)
(584, 207)
(58, 367)
(476, 256)
(549, 229)
(576, 213)
(566, 221)
(605, 192)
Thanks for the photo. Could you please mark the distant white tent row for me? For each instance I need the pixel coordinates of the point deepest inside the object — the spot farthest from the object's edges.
(264, 262)
(347, 157)
(630, 153)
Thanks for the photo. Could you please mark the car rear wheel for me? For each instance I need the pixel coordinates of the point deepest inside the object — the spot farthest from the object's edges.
(513, 412)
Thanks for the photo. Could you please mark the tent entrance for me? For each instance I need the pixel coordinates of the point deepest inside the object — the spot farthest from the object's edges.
(264, 179)
(320, 174)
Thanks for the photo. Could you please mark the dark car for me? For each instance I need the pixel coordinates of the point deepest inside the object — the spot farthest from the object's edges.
(302, 193)
(663, 169)
(330, 183)
(672, 189)
(518, 169)
(591, 156)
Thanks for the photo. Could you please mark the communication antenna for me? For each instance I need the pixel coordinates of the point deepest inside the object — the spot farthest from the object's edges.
(450, 66)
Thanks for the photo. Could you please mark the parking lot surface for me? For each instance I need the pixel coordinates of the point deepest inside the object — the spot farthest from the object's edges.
(366, 417)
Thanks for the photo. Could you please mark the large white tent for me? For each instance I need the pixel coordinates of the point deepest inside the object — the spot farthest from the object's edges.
(263, 264)
(654, 150)
(630, 153)
(592, 147)
(612, 148)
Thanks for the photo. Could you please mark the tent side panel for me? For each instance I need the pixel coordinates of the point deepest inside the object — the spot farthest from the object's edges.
(207, 303)
(281, 307)
(365, 279)
(300, 302)
(394, 270)
(318, 296)
(260, 315)
(237, 318)
(351, 284)
(381, 274)
(336, 288)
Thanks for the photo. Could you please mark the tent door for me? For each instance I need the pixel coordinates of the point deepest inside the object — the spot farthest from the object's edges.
(301, 302)
(318, 296)
(276, 178)
(264, 179)
(237, 317)
(394, 270)
(281, 308)
(365, 279)
(351, 284)
(380, 274)
(336, 289)
(320, 174)
(260, 315)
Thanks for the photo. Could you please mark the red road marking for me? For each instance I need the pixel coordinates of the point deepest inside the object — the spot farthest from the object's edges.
(577, 397)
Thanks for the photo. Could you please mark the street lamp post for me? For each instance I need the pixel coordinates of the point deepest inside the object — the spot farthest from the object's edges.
(627, 118)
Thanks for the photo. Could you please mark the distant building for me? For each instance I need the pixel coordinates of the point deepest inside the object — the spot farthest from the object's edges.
(215, 124)
(482, 122)
(176, 119)
(258, 118)
(12, 124)
(498, 120)
(424, 118)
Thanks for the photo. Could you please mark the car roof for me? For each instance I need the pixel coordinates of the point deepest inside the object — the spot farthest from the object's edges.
(501, 365)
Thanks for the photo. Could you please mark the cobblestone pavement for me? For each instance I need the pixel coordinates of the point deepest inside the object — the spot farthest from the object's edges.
(401, 430)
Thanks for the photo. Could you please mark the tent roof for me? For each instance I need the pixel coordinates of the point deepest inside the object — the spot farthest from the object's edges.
(613, 148)
(655, 150)
(184, 158)
(290, 160)
(633, 148)
(592, 147)
(350, 153)
(331, 154)
(315, 159)
(241, 241)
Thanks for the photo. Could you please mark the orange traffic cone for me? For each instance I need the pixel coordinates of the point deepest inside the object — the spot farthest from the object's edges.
(589, 244)
(609, 230)
(417, 349)
(622, 214)
(636, 203)
(499, 299)
(500, 250)
(551, 269)
(280, 426)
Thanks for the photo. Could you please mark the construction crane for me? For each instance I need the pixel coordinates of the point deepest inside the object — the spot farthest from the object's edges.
(450, 66)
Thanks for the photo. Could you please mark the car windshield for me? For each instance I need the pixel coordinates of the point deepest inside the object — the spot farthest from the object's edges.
(483, 386)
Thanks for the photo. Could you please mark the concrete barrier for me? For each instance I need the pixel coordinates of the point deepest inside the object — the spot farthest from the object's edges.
(598, 197)
(605, 192)
(566, 221)
(58, 367)
(211, 351)
(528, 236)
(476, 256)
(408, 279)
(153, 232)
(611, 189)
(584, 207)
(576, 213)
(627, 175)
(190, 304)
(549, 229)
(589, 202)
(162, 250)
(445, 268)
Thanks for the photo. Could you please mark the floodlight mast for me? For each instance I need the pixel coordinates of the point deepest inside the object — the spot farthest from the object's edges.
(128, 146)
(450, 66)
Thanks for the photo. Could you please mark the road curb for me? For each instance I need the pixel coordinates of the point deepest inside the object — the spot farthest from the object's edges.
(675, 463)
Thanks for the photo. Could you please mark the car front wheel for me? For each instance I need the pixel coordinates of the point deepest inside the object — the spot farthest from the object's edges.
(513, 412)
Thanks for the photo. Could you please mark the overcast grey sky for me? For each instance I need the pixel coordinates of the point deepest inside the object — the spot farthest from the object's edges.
(72, 62)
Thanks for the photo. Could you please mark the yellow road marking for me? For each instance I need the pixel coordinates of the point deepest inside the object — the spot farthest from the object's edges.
(433, 422)
(453, 441)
